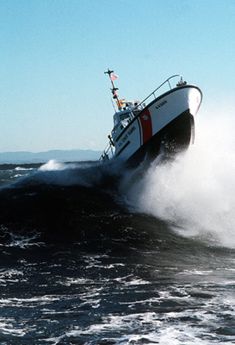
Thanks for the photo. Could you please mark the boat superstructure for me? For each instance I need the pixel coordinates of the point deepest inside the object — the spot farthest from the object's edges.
(162, 121)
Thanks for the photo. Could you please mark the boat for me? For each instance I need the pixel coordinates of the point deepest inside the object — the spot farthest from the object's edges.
(162, 123)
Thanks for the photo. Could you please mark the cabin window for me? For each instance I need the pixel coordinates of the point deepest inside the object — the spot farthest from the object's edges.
(121, 117)
(124, 116)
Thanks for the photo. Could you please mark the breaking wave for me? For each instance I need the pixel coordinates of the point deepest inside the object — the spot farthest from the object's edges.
(195, 193)
(86, 174)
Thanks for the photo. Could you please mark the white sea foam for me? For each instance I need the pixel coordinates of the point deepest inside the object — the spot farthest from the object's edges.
(52, 165)
(36, 300)
(10, 276)
(20, 241)
(131, 280)
(195, 193)
(148, 328)
(165, 328)
(23, 169)
(8, 327)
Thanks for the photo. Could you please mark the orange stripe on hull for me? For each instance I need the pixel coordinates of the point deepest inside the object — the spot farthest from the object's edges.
(146, 124)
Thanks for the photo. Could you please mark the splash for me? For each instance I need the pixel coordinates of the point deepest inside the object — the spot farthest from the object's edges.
(195, 193)
(52, 165)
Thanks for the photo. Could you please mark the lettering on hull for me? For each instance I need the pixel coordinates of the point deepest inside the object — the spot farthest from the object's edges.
(161, 104)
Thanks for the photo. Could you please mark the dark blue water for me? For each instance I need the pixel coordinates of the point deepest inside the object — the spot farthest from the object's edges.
(82, 263)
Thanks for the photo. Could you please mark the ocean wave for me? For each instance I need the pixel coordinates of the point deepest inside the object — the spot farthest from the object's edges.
(194, 193)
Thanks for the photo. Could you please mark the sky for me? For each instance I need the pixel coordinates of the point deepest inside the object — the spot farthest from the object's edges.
(53, 54)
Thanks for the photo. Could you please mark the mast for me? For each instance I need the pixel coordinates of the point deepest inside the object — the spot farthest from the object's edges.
(114, 89)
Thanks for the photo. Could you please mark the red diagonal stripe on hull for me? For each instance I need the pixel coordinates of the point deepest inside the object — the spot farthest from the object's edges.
(146, 124)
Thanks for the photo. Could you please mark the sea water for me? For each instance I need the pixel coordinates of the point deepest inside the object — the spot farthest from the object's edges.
(95, 254)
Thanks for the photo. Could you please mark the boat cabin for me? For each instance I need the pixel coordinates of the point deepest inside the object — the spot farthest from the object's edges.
(123, 117)
(126, 112)
(120, 121)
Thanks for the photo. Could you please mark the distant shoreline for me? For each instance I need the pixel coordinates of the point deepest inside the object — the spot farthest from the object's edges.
(27, 157)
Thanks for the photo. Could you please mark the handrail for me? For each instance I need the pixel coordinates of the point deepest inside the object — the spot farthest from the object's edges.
(153, 93)
(107, 151)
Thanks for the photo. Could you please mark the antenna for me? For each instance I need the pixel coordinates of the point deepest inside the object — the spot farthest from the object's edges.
(114, 89)
(113, 105)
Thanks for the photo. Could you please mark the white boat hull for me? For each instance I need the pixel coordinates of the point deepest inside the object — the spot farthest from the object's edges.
(167, 121)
